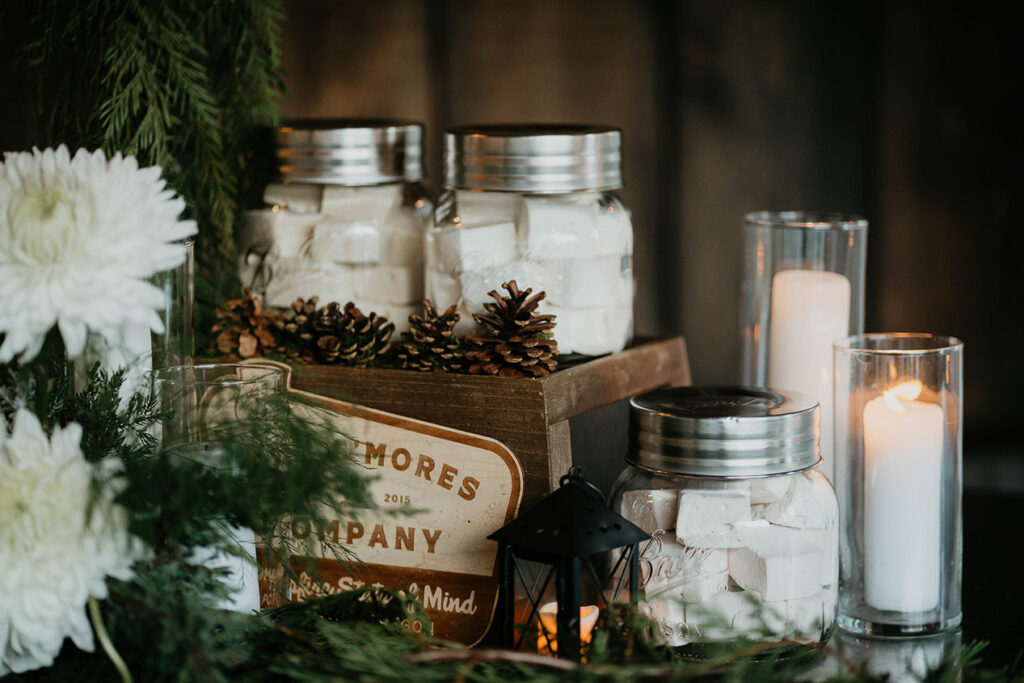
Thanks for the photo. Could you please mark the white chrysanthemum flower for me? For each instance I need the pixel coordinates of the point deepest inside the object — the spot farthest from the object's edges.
(59, 541)
(78, 239)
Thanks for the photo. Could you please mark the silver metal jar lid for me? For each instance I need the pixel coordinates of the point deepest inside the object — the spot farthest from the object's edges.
(350, 152)
(536, 159)
(724, 431)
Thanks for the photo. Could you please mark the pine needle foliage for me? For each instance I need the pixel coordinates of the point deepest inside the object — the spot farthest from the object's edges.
(183, 85)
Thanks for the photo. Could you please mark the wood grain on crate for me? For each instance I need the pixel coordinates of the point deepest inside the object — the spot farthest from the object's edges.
(530, 416)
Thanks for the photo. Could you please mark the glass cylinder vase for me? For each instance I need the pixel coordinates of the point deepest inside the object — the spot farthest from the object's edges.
(803, 289)
(898, 402)
(200, 403)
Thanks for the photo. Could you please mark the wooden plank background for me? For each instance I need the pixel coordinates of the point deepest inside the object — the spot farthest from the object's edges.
(905, 112)
(899, 111)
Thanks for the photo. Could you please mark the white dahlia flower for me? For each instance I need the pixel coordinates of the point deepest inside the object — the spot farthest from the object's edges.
(78, 240)
(59, 541)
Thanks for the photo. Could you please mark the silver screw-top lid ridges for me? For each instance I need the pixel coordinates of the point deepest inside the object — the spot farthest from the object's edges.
(350, 152)
(534, 159)
(724, 431)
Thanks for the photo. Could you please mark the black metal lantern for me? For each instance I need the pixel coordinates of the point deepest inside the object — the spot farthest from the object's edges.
(570, 534)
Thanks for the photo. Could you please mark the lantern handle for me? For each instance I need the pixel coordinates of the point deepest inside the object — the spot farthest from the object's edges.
(576, 475)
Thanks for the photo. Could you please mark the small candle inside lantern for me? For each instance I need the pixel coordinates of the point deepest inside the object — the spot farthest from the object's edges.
(548, 626)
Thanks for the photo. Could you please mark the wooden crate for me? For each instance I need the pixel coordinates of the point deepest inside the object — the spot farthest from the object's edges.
(530, 416)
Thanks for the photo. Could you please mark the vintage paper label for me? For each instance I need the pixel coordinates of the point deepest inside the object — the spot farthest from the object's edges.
(464, 487)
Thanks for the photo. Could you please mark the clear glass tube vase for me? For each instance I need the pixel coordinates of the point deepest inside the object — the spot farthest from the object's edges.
(899, 402)
(803, 288)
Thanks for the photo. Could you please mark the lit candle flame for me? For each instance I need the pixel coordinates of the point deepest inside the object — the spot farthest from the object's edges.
(548, 623)
(907, 391)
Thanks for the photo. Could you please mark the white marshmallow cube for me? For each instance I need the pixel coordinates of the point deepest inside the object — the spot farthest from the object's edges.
(294, 198)
(476, 285)
(731, 614)
(294, 278)
(553, 228)
(650, 510)
(614, 230)
(395, 285)
(670, 614)
(800, 508)
(706, 519)
(372, 202)
(778, 563)
(769, 489)
(702, 587)
(591, 331)
(475, 249)
(346, 242)
(285, 234)
(668, 565)
(442, 289)
(402, 237)
(586, 282)
(487, 208)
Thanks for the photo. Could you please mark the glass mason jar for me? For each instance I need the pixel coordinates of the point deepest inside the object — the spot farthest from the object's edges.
(346, 221)
(535, 204)
(744, 529)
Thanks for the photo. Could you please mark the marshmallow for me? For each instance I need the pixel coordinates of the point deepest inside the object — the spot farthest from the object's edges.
(802, 507)
(477, 285)
(666, 565)
(294, 198)
(402, 236)
(465, 325)
(702, 587)
(442, 289)
(553, 228)
(586, 282)
(768, 489)
(280, 233)
(395, 313)
(294, 278)
(706, 519)
(371, 202)
(401, 285)
(478, 248)
(650, 510)
(671, 617)
(346, 241)
(828, 541)
(591, 331)
(778, 563)
(732, 614)
(487, 208)
(614, 230)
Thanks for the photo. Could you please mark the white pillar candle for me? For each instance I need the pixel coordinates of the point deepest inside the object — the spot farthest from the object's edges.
(903, 443)
(810, 310)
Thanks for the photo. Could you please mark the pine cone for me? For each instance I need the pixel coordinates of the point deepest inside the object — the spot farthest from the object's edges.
(243, 328)
(430, 343)
(519, 342)
(335, 336)
(296, 326)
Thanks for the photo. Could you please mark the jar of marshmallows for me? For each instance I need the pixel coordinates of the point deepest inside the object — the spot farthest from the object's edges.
(346, 221)
(744, 528)
(536, 204)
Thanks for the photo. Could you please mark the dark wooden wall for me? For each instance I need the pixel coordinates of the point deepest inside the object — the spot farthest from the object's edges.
(905, 112)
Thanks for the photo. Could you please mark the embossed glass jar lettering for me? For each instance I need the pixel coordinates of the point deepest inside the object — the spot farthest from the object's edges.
(346, 222)
(744, 529)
